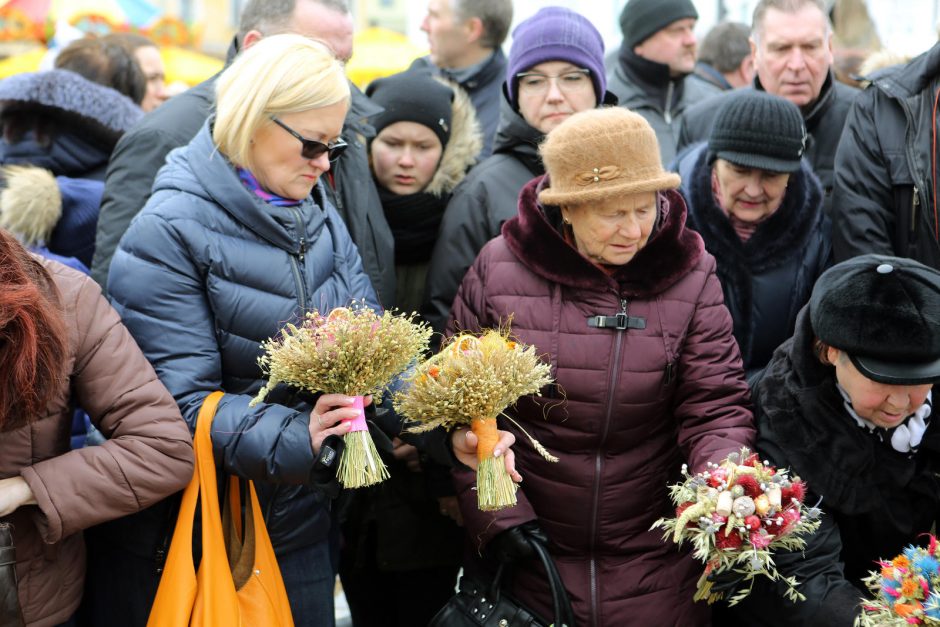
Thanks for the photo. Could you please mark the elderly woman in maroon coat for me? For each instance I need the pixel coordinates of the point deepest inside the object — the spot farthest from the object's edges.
(599, 272)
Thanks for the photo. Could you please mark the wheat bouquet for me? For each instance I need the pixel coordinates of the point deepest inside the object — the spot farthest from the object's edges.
(351, 351)
(471, 381)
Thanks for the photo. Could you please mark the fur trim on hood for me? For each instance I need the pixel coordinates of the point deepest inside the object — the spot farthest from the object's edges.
(466, 142)
(30, 204)
(83, 106)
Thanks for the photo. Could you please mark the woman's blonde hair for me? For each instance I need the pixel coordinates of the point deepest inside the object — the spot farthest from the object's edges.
(280, 74)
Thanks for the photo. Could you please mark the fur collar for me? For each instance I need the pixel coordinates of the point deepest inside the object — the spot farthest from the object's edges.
(776, 240)
(671, 252)
(465, 143)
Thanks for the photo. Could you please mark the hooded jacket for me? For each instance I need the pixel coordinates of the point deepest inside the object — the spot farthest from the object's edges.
(483, 87)
(824, 121)
(768, 279)
(81, 121)
(485, 199)
(647, 88)
(875, 500)
(147, 457)
(627, 408)
(204, 274)
(142, 152)
(885, 196)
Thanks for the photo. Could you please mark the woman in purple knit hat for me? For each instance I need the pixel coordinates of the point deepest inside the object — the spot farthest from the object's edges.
(555, 69)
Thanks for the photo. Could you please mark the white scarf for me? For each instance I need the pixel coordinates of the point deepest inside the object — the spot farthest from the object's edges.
(904, 438)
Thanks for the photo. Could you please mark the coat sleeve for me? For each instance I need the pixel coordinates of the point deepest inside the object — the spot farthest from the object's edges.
(712, 402)
(159, 292)
(862, 207)
(464, 232)
(139, 154)
(148, 454)
(469, 313)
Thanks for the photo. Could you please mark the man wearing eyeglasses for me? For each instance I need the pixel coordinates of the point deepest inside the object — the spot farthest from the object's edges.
(656, 56)
(142, 151)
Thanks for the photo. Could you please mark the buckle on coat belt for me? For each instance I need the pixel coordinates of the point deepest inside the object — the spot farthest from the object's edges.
(620, 322)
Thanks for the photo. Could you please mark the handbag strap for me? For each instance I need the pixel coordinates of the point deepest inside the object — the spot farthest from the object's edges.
(564, 615)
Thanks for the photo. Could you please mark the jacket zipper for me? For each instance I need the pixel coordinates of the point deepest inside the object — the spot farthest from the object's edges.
(912, 164)
(297, 261)
(667, 112)
(598, 459)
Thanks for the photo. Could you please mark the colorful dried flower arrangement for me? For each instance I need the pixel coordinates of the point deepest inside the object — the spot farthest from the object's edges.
(471, 381)
(351, 351)
(735, 514)
(907, 589)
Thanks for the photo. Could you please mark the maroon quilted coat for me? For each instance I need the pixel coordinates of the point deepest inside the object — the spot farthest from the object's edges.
(630, 406)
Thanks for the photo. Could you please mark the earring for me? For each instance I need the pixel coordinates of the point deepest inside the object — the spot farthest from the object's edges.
(566, 220)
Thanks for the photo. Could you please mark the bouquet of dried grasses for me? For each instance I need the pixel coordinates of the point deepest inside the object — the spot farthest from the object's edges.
(351, 351)
(471, 381)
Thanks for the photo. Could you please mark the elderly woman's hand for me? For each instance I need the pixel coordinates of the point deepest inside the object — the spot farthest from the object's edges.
(330, 416)
(464, 442)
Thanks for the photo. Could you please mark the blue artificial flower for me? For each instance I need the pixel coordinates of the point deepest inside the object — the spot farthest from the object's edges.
(925, 564)
(932, 606)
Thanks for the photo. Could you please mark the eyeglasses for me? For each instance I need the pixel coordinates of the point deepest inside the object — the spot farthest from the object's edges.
(311, 148)
(569, 82)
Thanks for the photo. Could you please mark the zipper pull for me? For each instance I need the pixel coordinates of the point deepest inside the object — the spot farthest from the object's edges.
(303, 248)
(915, 205)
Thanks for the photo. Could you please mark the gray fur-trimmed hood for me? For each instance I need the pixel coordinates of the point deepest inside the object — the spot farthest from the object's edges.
(83, 106)
(465, 144)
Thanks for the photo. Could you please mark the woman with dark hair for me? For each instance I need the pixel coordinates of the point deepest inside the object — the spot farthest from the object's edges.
(106, 62)
(61, 344)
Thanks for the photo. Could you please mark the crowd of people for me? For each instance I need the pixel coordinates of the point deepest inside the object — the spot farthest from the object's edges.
(712, 247)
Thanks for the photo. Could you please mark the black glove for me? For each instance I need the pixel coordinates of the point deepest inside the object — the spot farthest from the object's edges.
(725, 582)
(515, 544)
(326, 464)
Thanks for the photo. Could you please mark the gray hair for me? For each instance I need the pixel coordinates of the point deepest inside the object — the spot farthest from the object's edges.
(785, 6)
(496, 16)
(271, 17)
(725, 46)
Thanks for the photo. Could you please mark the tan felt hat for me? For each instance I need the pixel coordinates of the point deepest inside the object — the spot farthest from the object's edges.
(600, 153)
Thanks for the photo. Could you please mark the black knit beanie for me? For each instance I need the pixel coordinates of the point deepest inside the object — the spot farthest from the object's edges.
(641, 19)
(754, 129)
(413, 96)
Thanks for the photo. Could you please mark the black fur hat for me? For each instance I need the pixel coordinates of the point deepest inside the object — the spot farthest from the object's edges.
(884, 313)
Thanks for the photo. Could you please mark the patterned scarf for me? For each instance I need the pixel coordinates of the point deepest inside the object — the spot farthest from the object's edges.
(254, 186)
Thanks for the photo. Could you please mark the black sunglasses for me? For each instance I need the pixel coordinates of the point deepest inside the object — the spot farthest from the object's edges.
(311, 148)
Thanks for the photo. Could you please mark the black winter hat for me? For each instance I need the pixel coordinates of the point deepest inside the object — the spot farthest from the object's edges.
(754, 129)
(884, 312)
(413, 96)
(640, 19)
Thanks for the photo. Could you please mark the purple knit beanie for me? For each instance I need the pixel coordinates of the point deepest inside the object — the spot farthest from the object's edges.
(556, 34)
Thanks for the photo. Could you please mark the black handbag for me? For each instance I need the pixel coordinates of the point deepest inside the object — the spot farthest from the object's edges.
(481, 604)
(10, 613)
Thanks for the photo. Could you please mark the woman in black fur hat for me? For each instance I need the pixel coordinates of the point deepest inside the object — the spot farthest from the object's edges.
(758, 207)
(846, 406)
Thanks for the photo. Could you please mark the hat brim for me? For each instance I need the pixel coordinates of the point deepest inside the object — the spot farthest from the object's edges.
(589, 193)
(761, 162)
(898, 373)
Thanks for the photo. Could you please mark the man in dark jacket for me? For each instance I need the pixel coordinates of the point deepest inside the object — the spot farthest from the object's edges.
(885, 198)
(656, 56)
(142, 151)
(724, 58)
(465, 38)
(792, 48)
(565, 42)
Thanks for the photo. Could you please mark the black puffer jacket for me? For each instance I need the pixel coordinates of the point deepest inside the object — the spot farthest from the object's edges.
(884, 192)
(204, 274)
(824, 122)
(768, 279)
(875, 501)
(485, 199)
